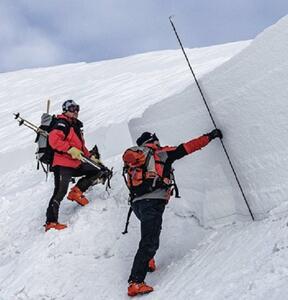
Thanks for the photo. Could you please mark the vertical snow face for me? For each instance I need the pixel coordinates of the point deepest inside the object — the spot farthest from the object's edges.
(207, 187)
(248, 99)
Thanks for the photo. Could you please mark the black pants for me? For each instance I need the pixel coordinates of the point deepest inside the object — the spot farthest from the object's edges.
(62, 177)
(149, 212)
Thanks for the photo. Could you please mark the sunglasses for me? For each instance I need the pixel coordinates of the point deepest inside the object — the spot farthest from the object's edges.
(74, 108)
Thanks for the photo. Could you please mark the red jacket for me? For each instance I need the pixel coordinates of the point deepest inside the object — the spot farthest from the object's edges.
(174, 153)
(167, 155)
(62, 144)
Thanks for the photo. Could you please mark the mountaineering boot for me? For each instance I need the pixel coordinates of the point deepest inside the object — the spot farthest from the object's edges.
(151, 265)
(138, 288)
(54, 225)
(76, 195)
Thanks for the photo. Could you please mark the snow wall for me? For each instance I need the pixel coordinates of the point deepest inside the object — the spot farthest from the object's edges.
(248, 99)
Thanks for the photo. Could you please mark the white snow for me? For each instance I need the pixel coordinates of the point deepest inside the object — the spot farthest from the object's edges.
(210, 248)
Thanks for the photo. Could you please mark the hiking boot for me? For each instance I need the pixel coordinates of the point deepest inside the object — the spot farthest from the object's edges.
(138, 289)
(151, 265)
(54, 225)
(76, 195)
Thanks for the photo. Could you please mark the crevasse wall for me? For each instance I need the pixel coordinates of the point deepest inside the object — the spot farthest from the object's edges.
(248, 96)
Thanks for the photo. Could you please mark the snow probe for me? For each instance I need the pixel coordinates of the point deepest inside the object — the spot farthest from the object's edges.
(212, 119)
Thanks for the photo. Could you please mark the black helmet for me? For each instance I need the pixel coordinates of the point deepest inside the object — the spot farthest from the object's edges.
(146, 137)
(70, 105)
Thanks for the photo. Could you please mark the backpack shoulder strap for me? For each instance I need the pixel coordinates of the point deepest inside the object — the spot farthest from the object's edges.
(150, 154)
(63, 125)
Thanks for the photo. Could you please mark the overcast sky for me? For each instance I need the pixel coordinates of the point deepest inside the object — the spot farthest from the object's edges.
(35, 33)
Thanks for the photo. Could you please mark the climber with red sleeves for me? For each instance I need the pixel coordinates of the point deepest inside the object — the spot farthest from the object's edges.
(149, 177)
(67, 142)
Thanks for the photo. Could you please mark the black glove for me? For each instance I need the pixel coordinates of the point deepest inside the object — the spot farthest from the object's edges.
(216, 133)
(95, 152)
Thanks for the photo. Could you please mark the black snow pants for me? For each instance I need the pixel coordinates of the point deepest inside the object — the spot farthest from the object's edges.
(149, 212)
(62, 177)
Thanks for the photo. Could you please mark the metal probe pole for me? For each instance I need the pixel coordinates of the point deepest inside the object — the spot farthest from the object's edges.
(212, 119)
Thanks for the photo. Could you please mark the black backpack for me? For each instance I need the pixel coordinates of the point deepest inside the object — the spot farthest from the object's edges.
(45, 153)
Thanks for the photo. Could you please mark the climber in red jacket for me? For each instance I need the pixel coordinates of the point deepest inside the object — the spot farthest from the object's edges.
(150, 188)
(66, 139)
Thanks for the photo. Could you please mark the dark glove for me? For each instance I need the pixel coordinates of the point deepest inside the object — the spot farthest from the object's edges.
(95, 152)
(216, 133)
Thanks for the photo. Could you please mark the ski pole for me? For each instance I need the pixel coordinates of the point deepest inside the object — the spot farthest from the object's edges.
(212, 119)
(90, 162)
(30, 125)
(21, 121)
(127, 221)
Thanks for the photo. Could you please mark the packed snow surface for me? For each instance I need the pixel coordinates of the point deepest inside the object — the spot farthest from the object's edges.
(210, 249)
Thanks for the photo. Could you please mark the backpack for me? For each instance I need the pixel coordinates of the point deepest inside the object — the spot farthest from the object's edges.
(45, 153)
(143, 171)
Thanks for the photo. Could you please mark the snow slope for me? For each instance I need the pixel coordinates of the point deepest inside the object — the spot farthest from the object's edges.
(244, 261)
(119, 99)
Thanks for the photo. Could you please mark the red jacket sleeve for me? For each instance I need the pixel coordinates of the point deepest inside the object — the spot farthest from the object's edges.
(57, 141)
(196, 144)
(182, 150)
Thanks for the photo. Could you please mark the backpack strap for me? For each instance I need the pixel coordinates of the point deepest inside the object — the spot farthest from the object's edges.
(63, 125)
(150, 154)
(175, 187)
(124, 171)
(173, 184)
(46, 171)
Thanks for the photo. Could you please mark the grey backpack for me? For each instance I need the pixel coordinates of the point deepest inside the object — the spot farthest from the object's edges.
(45, 153)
